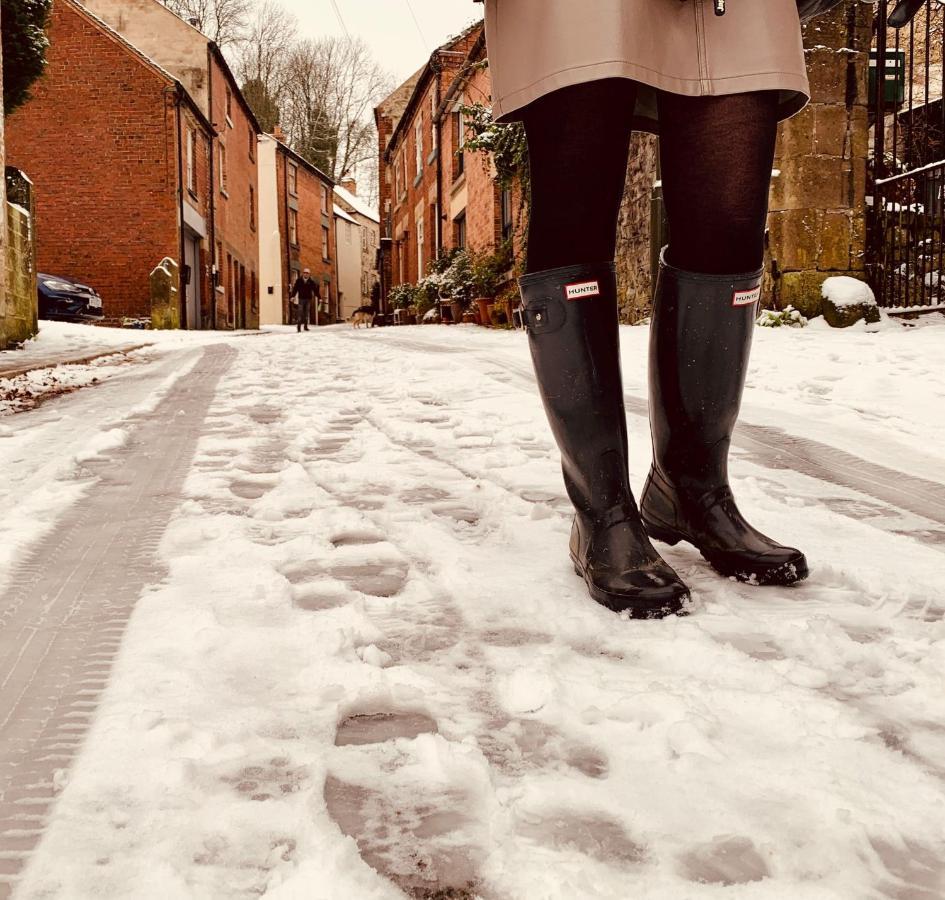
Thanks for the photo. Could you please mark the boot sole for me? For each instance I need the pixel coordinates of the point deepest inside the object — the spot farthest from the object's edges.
(781, 575)
(672, 603)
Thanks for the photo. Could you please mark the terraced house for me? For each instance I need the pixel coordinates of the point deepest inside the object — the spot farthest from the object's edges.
(161, 162)
(433, 196)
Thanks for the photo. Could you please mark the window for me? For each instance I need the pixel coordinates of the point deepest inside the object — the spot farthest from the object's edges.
(348, 228)
(293, 227)
(433, 143)
(459, 231)
(435, 232)
(222, 169)
(252, 143)
(420, 247)
(325, 243)
(192, 161)
(459, 125)
(292, 177)
(506, 212)
(418, 142)
(324, 199)
(229, 107)
(230, 294)
(252, 207)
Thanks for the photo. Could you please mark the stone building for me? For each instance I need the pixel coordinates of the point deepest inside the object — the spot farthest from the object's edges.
(347, 261)
(298, 231)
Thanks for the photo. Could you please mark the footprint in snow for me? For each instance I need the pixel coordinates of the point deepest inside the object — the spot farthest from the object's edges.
(724, 860)
(598, 836)
(266, 781)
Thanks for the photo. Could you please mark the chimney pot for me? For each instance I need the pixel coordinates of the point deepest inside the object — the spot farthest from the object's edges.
(350, 185)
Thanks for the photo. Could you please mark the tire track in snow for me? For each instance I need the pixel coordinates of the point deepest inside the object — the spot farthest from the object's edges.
(774, 448)
(65, 611)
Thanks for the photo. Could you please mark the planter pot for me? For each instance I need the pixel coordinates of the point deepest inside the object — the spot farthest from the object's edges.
(485, 310)
(456, 309)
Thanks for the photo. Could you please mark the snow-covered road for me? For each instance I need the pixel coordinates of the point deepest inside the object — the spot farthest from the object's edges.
(359, 663)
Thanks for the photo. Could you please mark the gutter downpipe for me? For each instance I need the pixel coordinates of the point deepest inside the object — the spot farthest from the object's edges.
(182, 301)
(214, 262)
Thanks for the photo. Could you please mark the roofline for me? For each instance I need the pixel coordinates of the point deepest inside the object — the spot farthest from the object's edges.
(182, 93)
(301, 160)
(422, 82)
(228, 72)
(463, 76)
(373, 217)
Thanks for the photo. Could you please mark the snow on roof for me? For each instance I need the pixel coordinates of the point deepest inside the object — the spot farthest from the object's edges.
(359, 206)
(342, 214)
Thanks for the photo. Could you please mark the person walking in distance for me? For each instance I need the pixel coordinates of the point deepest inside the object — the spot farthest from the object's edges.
(712, 79)
(304, 291)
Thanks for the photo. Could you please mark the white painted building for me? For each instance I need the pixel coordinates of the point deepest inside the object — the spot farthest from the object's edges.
(271, 288)
(370, 230)
(347, 262)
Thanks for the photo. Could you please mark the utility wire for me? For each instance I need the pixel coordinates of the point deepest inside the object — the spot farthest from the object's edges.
(415, 22)
(341, 21)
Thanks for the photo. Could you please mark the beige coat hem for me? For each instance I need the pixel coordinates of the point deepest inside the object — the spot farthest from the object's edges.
(794, 89)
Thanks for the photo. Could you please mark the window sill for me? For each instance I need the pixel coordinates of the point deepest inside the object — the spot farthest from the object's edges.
(229, 121)
(224, 193)
(433, 155)
(193, 195)
(458, 182)
(418, 179)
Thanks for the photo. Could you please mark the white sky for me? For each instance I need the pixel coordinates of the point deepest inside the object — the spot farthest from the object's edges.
(387, 26)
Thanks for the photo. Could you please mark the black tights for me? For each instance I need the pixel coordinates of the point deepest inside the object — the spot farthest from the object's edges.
(715, 158)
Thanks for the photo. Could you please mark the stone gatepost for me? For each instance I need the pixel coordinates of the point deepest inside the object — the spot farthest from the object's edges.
(165, 295)
(816, 217)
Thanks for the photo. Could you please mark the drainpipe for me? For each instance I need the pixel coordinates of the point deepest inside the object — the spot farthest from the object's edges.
(182, 301)
(285, 204)
(214, 271)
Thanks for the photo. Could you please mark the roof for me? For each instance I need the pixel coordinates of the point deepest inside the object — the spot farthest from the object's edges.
(359, 206)
(146, 60)
(424, 77)
(342, 214)
(301, 160)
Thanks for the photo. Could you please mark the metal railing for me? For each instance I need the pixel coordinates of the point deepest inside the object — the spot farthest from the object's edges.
(906, 188)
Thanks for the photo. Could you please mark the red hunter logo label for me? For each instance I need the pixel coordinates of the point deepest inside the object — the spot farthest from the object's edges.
(581, 289)
(746, 298)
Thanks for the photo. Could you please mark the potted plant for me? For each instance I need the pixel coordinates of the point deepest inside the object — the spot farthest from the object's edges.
(488, 273)
(403, 297)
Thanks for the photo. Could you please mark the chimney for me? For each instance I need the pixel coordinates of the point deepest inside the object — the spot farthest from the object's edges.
(351, 186)
(278, 133)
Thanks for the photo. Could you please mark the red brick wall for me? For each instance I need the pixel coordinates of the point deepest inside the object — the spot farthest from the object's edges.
(238, 305)
(307, 253)
(99, 141)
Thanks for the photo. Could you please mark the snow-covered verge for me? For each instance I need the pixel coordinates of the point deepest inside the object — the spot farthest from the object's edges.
(371, 655)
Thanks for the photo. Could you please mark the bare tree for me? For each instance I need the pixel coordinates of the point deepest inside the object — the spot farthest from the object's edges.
(223, 21)
(330, 90)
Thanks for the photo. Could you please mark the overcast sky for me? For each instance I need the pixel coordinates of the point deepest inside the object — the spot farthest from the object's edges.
(388, 27)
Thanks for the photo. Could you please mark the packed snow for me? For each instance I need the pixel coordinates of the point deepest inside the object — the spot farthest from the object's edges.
(371, 671)
(842, 290)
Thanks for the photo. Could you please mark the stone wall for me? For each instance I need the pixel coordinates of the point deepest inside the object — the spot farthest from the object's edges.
(634, 283)
(817, 208)
(18, 299)
(816, 225)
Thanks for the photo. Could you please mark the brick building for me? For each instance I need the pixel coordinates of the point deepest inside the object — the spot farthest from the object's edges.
(220, 249)
(298, 231)
(108, 139)
(434, 196)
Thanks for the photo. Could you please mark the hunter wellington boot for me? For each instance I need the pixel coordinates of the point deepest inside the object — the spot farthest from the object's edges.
(699, 345)
(571, 317)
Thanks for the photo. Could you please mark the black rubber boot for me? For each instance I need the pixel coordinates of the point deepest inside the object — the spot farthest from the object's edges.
(571, 317)
(700, 340)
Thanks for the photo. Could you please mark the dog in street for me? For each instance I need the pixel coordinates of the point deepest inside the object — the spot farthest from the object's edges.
(363, 315)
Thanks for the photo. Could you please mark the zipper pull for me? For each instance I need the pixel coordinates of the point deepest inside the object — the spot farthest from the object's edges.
(719, 7)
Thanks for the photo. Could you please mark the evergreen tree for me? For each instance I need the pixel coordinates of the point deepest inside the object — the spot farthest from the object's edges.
(23, 23)
(262, 103)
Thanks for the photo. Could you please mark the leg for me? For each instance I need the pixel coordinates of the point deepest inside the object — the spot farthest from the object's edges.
(577, 144)
(716, 155)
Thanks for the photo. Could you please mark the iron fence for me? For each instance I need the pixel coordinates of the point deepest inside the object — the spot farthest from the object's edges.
(906, 186)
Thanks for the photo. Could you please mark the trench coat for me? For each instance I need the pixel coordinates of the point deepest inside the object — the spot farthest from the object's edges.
(680, 46)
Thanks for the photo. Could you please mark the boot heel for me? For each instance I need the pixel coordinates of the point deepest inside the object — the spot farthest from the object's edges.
(662, 534)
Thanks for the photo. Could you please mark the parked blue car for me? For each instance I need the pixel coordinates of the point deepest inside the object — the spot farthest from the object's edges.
(63, 298)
